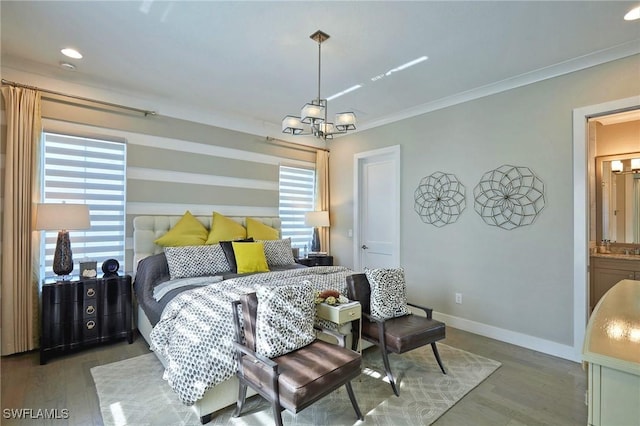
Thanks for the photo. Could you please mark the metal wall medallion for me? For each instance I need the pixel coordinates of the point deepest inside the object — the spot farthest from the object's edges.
(439, 199)
(509, 197)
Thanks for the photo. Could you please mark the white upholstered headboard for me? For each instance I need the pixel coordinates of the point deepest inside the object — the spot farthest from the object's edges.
(147, 229)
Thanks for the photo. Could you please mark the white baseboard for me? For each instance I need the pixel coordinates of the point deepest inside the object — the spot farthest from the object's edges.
(530, 342)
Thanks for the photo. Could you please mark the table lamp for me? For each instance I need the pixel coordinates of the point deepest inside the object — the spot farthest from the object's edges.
(316, 219)
(62, 218)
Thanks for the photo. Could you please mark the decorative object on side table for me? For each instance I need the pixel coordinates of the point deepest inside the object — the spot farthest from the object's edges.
(316, 219)
(110, 268)
(62, 218)
(88, 269)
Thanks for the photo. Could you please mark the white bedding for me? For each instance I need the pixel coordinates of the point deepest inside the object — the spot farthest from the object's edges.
(195, 335)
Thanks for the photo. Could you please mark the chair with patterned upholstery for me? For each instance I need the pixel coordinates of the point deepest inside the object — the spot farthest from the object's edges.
(386, 319)
(278, 353)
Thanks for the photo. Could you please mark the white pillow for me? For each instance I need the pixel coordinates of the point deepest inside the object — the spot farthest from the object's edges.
(285, 317)
(196, 261)
(388, 292)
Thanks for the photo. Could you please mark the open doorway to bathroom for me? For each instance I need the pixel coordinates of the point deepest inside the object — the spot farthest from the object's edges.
(584, 177)
(614, 201)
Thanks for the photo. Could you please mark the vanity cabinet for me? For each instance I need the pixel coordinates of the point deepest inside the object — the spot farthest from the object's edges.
(607, 271)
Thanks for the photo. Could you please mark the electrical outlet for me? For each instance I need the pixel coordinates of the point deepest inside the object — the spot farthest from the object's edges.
(459, 298)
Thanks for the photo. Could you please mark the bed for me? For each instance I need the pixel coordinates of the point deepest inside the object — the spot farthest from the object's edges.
(198, 366)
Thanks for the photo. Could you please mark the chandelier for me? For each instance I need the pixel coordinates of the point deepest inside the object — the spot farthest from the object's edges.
(313, 117)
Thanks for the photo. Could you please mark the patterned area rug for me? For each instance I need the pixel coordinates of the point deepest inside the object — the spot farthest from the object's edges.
(132, 392)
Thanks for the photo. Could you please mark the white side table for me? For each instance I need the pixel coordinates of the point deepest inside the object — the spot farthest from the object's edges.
(343, 314)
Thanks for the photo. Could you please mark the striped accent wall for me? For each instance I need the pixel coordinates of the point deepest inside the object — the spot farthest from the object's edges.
(175, 165)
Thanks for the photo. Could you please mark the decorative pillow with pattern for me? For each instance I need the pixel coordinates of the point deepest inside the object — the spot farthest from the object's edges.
(195, 261)
(278, 252)
(388, 292)
(285, 317)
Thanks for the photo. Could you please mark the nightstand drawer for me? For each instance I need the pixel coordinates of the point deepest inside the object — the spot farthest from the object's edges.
(339, 314)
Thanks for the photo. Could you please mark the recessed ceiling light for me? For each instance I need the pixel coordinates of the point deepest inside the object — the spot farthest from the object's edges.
(633, 14)
(72, 53)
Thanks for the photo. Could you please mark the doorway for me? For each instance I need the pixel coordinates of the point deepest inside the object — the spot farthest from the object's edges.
(376, 242)
(583, 170)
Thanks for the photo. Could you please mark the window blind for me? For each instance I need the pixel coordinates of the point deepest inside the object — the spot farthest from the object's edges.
(297, 196)
(87, 171)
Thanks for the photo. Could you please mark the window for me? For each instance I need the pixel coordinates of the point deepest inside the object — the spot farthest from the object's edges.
(93, 172)
(297, 196)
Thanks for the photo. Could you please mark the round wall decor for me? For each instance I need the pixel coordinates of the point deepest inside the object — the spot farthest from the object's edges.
(439, 199)
(509, 197)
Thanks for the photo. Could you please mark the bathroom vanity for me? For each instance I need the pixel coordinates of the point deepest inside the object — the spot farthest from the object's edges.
(611, 353)
(607, 270)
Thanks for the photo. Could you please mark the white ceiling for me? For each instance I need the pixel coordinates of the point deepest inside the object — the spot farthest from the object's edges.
(253, 62)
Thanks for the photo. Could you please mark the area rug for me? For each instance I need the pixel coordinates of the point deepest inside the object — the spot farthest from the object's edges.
(132, 392)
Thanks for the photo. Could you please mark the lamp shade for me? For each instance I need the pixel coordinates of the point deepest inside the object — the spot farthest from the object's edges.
(56, 217)
(635, 164)
(316, 219)
(345, 121)
(312, 113)
(292, 125)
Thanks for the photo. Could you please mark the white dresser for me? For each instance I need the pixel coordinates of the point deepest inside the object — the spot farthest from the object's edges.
(612, 352)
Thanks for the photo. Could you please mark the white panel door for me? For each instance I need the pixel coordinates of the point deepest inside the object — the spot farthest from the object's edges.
(377, 221)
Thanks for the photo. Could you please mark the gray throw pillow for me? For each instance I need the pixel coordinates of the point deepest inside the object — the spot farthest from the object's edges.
(285, 317)
(388, 292)
(195, 261)
(278, 252)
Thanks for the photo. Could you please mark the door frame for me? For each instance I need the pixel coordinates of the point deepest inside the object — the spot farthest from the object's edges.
(392, 153)
(583, 151)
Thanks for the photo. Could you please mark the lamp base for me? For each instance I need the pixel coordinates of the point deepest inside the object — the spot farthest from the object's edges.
(315, 241)
(62, 258)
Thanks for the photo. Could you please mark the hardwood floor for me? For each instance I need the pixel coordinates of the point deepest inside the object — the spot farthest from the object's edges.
(529, 388)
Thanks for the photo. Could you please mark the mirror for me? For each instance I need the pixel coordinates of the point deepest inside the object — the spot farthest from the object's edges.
(618, 199)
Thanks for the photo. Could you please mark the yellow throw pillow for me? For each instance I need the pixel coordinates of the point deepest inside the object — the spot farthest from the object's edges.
(225, 229)
(187, 232)
(259, 231)
(250, 257)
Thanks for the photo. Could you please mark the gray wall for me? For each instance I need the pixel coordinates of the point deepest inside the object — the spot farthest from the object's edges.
(521, 280)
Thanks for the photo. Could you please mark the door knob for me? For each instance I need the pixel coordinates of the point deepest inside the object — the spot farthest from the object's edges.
(364, 247)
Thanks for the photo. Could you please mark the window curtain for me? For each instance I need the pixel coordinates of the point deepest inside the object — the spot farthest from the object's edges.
(322, 194)
(20, 245)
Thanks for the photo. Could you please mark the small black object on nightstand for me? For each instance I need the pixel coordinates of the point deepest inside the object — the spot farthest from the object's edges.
(316, 261)
(110, 268)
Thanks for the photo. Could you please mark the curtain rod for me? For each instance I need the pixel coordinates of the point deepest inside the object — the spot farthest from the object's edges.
(295, 145)
(142, 111)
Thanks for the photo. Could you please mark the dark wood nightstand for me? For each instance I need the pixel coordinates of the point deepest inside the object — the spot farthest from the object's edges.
(78, 314)
(316, 261)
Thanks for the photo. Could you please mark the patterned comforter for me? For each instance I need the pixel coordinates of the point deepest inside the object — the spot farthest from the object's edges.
(195, 332)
